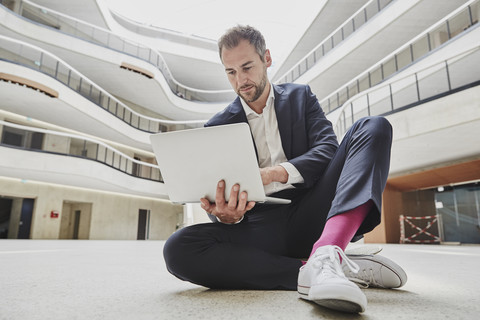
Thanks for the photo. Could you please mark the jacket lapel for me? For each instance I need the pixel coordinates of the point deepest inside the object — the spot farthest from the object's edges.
(282, 112)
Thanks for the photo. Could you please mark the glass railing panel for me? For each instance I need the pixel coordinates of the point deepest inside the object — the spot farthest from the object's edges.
(337, 37)
(364, 83)
(302, 68)
(129, 164)
(379, 101)
(352, 89)
(359, 20)
(117, 160)
(135, 121)
(109, 154)
(376, 77)
(115, 42)
(103, 101)
(130, 48)
(7, 54)
(142, 124)
(32, 56)
(74, 81)
(439, 35)
(95, 95)
(76, 147)
(359, 103)
(101, 153)
(474, 11)
(464, 71)
(421, 47)
(91, 150)
(383, 3)
(432, 82)
(348, 29)
(62, 73)
(359, 113)
(342, 96)
(100, 36)
(48, 65)
(404, 91)
(348, 119)
(127, 116)
(370, 10)
(404, 58)
(389, 67)
(327, 46)
(459, 23)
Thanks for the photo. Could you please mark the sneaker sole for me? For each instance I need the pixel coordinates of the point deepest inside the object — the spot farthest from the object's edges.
(397, 272)
(330, 302)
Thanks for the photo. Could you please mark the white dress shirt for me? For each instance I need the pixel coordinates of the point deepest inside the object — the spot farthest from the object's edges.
(265, 133)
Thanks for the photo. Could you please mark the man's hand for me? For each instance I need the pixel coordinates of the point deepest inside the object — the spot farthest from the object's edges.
(231, 211)
(273, 174)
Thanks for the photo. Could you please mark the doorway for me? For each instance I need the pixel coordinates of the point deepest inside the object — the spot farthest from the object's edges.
(143, 224)
(75, 220)
(16, 217)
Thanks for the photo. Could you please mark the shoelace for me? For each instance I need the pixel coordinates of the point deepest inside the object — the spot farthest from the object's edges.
(364, 279)
(330, 264)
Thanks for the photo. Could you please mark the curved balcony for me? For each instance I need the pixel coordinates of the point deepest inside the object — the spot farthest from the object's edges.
(362, 16)
(107, 39)
(40, 60)
(452, 26)
(74, 160)
(452, 75)
(162, 33)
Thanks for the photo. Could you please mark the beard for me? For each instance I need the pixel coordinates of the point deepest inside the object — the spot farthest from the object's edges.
(257, 92)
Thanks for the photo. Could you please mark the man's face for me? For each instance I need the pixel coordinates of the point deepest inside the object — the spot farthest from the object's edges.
(246, 72)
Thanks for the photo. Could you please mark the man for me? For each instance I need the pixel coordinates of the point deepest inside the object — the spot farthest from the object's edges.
(335, 193)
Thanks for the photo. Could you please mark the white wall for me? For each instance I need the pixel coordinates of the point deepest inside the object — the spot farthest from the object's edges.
(113, 216)
(437, 133)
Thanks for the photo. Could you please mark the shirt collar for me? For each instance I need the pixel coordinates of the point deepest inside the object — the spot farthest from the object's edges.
(252, 114)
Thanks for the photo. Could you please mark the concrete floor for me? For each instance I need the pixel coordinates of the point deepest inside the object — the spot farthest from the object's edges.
(54, 279)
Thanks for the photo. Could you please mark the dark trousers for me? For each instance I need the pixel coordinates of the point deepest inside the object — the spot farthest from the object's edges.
(264, 250)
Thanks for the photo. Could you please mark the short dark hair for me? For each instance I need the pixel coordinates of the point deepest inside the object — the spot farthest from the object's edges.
(234, 35)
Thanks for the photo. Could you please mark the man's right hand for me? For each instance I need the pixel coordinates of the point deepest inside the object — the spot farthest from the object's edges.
(228, 212)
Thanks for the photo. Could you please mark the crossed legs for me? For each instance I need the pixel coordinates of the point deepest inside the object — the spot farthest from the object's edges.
(263, 251)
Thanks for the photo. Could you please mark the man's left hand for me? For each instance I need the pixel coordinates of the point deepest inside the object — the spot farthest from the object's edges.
(273, 174)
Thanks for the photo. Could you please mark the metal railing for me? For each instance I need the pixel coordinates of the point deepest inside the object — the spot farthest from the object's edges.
(452, 75)
(454, 24)
(36, 58)
(36, 139)
(89, 32)
(364, 14)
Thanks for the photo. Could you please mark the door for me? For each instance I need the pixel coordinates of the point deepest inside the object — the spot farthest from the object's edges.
(143, 224)
(25, 219)
(76, 224)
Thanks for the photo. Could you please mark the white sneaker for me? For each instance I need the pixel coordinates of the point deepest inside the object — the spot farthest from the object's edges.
(322, 281)
(375, 271)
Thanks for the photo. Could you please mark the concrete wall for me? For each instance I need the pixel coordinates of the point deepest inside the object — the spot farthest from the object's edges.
(113, 216)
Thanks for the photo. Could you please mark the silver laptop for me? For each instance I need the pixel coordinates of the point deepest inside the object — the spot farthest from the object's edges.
(193, 161)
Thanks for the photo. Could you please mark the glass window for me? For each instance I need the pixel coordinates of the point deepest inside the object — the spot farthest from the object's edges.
(459, 208)
(421, 47)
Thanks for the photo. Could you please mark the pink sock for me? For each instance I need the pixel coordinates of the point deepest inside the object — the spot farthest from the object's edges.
(340, 229)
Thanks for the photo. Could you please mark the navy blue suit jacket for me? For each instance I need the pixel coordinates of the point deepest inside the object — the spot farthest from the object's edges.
(308, 139)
